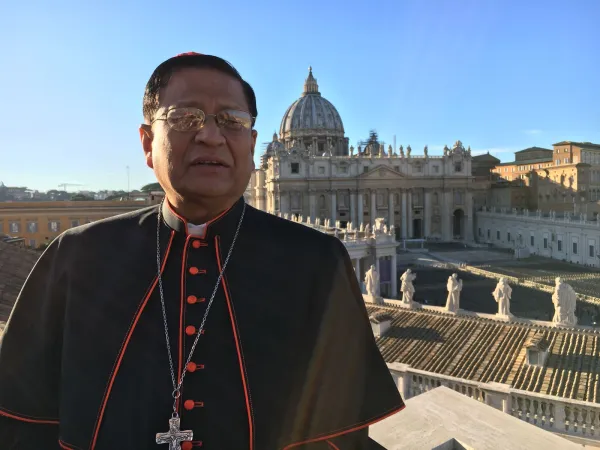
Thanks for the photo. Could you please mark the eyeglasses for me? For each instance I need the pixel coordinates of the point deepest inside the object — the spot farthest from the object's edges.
(193, 119)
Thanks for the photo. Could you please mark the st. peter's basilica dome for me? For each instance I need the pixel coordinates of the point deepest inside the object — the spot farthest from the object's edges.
(313, 121)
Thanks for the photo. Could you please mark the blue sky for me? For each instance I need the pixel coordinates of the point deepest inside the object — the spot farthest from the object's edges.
(498, 75)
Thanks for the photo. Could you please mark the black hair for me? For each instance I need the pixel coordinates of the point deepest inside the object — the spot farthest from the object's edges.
(162, 74)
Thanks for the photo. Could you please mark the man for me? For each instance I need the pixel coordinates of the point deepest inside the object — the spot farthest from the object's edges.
(198, 323)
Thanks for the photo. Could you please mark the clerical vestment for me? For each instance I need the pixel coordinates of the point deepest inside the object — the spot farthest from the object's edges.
(287, 358)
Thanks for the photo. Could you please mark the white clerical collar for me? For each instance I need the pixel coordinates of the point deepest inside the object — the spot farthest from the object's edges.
(196, 230)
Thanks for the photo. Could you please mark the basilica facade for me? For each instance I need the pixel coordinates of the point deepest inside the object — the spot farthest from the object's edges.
(308, 170)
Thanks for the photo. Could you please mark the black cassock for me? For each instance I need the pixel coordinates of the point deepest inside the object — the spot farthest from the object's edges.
(287, 359)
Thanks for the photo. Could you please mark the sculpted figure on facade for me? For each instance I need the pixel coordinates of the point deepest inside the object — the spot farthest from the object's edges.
(407, 288)
(379, 224)
(564, 299)
(408, 151)
(502, 294)
(351, 150)
(372, 284)
(454, 287)
(401, 152)
(426, 152)
(362, 227)
(390, 151)
(367, 229)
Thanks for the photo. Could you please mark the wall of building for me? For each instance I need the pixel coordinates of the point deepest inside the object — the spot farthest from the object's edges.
(568, 238)
(40, 222)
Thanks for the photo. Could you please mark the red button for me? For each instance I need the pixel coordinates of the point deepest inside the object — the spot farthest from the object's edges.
(192, 299)
(194, 270)
(190, 330)
(196, 244)
(191, 367)
(188, 404)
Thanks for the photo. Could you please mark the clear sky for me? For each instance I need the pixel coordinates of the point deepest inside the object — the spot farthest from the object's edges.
(497, 75)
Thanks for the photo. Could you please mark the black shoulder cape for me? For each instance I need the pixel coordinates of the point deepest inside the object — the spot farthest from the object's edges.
(287, 358)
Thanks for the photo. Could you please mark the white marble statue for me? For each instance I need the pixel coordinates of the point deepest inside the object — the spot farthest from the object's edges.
(385, 229)
(379, 224)
(349, 227)
(454, 287)
(407, 288)
(367, 229)
(564, 299)
(372, 283)
(502, 295)
(362, 227)
(393, 231)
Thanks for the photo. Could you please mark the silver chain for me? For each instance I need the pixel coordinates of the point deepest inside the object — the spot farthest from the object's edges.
(177, 386)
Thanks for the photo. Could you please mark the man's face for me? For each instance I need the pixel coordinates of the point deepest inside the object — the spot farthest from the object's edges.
(174, 155)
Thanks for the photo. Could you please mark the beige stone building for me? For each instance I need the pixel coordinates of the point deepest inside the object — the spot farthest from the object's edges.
(564, 179)
(307, 170)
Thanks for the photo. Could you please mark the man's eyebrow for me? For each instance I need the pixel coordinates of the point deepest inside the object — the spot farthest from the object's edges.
(196, 104)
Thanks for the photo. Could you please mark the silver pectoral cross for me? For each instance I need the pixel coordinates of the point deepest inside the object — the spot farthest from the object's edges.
(174, 437)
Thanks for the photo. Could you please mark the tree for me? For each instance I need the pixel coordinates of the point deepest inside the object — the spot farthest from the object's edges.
(152, 187)
(81, 198)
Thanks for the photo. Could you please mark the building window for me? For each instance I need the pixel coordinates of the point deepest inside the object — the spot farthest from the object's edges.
(32, 243)
(498, 235)
(379, 199)
(566, 160)
(574, 248)
(592, 251)
(397, 168)
(74, 223)
(344, 169)
(417, 168)
(295, 167)
(54, 226)
(321, 170)
(508, 236)
(559, 245)
(15, 227)
(489, 233)
(458, 166)
(532, 240)
(365, 169)
(545, 242)
(32, 227)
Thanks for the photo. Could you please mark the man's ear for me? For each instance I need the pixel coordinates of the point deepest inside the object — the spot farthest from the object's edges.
(146, 136)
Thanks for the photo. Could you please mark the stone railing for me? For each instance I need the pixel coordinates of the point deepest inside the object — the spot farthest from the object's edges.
(555, 414)
(550, 217)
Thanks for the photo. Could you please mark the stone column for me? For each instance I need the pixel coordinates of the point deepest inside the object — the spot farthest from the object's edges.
(377, 266)
(359, 209)
(470, 213)
(427, 213)
(284, 206)
(333, 208)
(312, 205)
(390, 208)
(409, 214)
(403, 213)
(353, 207)
(447, 216)
(394, 276)
(373, 206)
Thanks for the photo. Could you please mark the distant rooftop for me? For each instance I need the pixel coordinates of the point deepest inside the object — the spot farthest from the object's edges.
(579, 144)
(15, 264)
(485, 350)
(534, 149)
(527, 161)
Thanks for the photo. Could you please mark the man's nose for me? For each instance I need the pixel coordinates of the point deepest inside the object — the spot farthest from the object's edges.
(210, 133)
